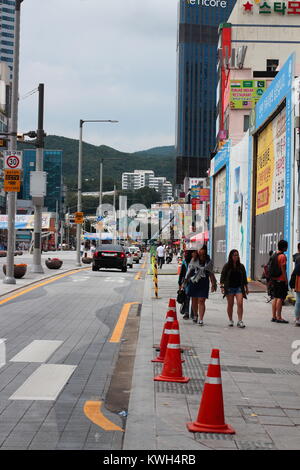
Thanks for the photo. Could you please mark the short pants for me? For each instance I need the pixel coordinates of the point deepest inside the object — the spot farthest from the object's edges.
(234, 290)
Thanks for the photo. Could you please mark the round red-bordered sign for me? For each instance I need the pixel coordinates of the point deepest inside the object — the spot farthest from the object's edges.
(12, 161)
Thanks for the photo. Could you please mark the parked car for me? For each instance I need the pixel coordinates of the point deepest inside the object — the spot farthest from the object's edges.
(135, 255)
(129, 257)
(109, 256)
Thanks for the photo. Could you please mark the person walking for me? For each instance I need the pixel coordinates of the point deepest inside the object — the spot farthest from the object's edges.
(200, 272)
(234, 284)
(185, 307)
(295, 284)
(160, 252)
(280, 281)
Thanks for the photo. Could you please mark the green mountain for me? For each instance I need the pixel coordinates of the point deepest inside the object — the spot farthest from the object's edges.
(160, 159)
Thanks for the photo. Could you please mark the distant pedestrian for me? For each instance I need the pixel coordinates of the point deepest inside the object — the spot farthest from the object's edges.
(200, 272)
(160, 252)
(277, 269)
(185, 307)
(296, 256)
(234, 284)
(81, 249)
(295, 284)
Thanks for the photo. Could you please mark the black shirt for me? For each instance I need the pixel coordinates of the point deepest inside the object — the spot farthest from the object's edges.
(235, 279)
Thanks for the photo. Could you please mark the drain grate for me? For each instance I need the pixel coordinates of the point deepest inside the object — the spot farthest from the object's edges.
(193, 387)
(255, 445)
(200, 436)
(286, 372)
(257, 370)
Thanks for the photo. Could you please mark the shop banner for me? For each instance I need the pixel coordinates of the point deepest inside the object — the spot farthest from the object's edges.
(25, 221)
(271, 158)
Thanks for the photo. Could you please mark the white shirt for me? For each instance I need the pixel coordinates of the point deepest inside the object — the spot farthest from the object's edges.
(160, 251)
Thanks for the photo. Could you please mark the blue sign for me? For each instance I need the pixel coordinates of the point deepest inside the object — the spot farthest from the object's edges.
(277, 91)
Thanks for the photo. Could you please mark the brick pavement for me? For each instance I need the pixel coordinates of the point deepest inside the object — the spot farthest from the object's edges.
(261, 385)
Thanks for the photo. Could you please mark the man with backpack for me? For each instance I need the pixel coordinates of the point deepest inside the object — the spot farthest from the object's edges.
(277, 272)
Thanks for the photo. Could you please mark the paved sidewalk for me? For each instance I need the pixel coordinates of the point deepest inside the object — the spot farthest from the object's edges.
(261, 385)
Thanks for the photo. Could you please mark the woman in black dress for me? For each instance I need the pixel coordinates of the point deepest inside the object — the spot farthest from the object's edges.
(234, 284)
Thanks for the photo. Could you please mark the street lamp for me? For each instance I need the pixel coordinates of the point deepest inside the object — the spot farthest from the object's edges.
(79, 202)
(12, 196)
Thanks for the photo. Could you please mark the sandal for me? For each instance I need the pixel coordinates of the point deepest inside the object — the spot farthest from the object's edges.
(273, 319)
(282, 321)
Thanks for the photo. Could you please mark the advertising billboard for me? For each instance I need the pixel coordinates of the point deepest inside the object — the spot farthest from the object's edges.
(244, 94)
(270, 165)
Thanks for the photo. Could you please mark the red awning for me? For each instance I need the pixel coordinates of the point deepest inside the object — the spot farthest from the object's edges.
(200, 237)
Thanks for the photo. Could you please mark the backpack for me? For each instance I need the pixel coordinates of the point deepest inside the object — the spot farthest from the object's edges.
(274, 270)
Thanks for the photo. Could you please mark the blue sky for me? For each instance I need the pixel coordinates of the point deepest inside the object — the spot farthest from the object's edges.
(101, 59)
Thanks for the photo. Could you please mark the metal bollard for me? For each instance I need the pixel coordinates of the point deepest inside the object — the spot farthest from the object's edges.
(155, 279)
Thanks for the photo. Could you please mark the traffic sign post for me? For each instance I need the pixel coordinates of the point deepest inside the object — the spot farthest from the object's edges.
(78, 218)
(12, 180)
(12, 160)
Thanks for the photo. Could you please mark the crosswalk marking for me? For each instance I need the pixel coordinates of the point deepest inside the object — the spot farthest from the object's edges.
(2, 352)
(37, 351)
(45, 383)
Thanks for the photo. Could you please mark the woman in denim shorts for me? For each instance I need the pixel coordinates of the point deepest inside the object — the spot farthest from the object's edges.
(234, 284)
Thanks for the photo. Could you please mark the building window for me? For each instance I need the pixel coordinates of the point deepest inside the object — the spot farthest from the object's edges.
(246, 122)
(272, 65)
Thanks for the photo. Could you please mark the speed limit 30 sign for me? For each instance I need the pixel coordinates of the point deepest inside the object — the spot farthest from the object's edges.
(12, 160)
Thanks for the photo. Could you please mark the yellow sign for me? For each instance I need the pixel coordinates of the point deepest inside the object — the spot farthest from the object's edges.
(270, 165)
(78, 218)
(12, 180)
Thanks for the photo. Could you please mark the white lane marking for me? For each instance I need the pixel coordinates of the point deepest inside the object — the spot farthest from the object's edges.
(45, 383)
(2, 352)
(37, 351)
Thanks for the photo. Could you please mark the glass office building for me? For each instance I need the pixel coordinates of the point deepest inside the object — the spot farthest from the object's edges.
(53, 167)
(197, 49)
(7, 32)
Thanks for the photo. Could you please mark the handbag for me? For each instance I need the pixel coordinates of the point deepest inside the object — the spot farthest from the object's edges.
(181, 296)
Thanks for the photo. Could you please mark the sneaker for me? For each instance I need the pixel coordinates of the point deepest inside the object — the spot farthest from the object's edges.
(297, 323)
(230, 323)
(240, 324)
(185, 317)
(200, 322)
(195, 320)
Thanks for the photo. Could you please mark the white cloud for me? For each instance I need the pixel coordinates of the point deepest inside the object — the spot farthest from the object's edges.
(101, 59)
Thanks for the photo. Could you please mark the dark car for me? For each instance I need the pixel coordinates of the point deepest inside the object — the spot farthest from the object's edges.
(109, 256)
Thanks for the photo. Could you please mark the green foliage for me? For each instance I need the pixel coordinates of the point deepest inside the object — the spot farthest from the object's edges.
(162, 160)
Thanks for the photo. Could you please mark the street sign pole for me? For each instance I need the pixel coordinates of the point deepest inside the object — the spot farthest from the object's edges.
(12, 196)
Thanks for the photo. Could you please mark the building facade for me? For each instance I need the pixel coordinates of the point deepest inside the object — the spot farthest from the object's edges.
(146, 178)
(7, 32)
(53, 167)
(198, 22)
(253, 45)
(254, 184)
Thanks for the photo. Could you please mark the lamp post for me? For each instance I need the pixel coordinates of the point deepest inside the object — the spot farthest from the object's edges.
(12, 196)
(79, 201)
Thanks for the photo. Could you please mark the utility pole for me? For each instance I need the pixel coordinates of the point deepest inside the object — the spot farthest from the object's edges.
(12, 196)
(38, 200)
(100, 186)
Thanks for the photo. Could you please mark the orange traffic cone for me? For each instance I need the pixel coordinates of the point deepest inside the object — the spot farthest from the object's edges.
(211, 411)
(172, 308)
(165, 337)
(172, 369)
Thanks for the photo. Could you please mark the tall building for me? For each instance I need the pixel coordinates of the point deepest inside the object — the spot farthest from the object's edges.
(53, 168)
(7, 32)
(142, 178)
(198, 22)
